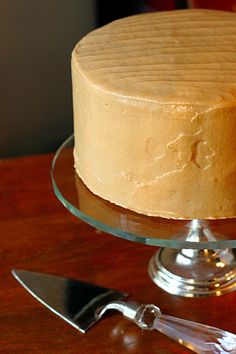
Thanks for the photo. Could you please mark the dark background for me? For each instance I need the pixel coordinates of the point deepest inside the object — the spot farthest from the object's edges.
(37, 38)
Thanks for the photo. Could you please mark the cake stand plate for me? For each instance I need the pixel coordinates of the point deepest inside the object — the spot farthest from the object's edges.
(198, 258)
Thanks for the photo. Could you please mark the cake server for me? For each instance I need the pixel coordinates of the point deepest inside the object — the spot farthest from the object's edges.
(83, 304)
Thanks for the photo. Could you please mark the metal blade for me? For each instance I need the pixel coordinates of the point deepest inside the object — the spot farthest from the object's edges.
(74, 301)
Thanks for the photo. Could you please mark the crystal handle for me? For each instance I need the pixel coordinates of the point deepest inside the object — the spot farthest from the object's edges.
(197, 337)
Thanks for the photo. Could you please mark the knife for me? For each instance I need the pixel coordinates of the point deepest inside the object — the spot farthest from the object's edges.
(83, 304)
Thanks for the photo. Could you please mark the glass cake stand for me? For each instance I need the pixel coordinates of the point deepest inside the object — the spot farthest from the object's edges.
(196, 258)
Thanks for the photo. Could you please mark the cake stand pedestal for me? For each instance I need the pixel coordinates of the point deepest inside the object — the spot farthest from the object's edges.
(197, 257)
(195, 272)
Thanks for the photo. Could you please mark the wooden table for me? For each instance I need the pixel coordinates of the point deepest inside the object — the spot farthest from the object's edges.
(38, 233)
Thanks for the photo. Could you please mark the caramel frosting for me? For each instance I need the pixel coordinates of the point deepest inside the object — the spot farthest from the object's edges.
(154, 100)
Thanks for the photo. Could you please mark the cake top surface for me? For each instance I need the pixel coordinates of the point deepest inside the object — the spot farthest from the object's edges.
(184, 57)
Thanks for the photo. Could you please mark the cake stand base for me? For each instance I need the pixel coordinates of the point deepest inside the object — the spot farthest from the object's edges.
(194, 273)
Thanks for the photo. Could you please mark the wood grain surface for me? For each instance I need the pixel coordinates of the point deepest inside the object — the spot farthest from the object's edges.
(39, 234)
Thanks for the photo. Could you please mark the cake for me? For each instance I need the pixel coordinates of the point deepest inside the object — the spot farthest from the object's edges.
(154, 99)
